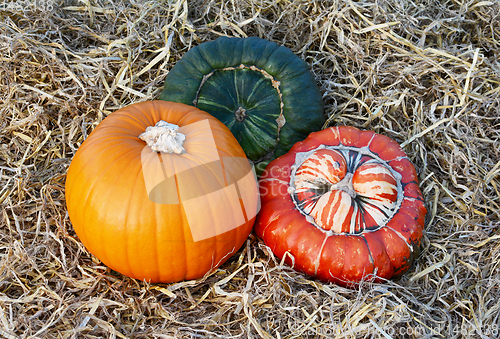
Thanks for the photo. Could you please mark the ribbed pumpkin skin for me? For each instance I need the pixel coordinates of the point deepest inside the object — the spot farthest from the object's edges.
(111, 212)
(330, 232)
(226, 74)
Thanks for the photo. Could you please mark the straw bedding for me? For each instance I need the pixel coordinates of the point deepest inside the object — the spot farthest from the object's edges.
(425, 73)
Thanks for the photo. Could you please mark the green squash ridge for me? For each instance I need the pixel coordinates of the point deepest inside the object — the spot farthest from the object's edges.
(206, 77)
(215, 104)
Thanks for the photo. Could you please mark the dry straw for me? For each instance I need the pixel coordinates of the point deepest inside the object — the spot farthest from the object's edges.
(425, 73)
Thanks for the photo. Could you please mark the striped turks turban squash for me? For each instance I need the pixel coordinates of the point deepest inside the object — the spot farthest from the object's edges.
(345, 205)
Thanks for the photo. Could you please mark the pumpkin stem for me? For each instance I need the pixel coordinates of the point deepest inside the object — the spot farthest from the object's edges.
(240, 114)
(164, 137)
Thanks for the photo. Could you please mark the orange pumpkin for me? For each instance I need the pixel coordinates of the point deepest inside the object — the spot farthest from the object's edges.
(161, 214)
(343, 205)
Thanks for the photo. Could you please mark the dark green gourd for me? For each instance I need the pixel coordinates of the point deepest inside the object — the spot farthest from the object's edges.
(263, 92)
